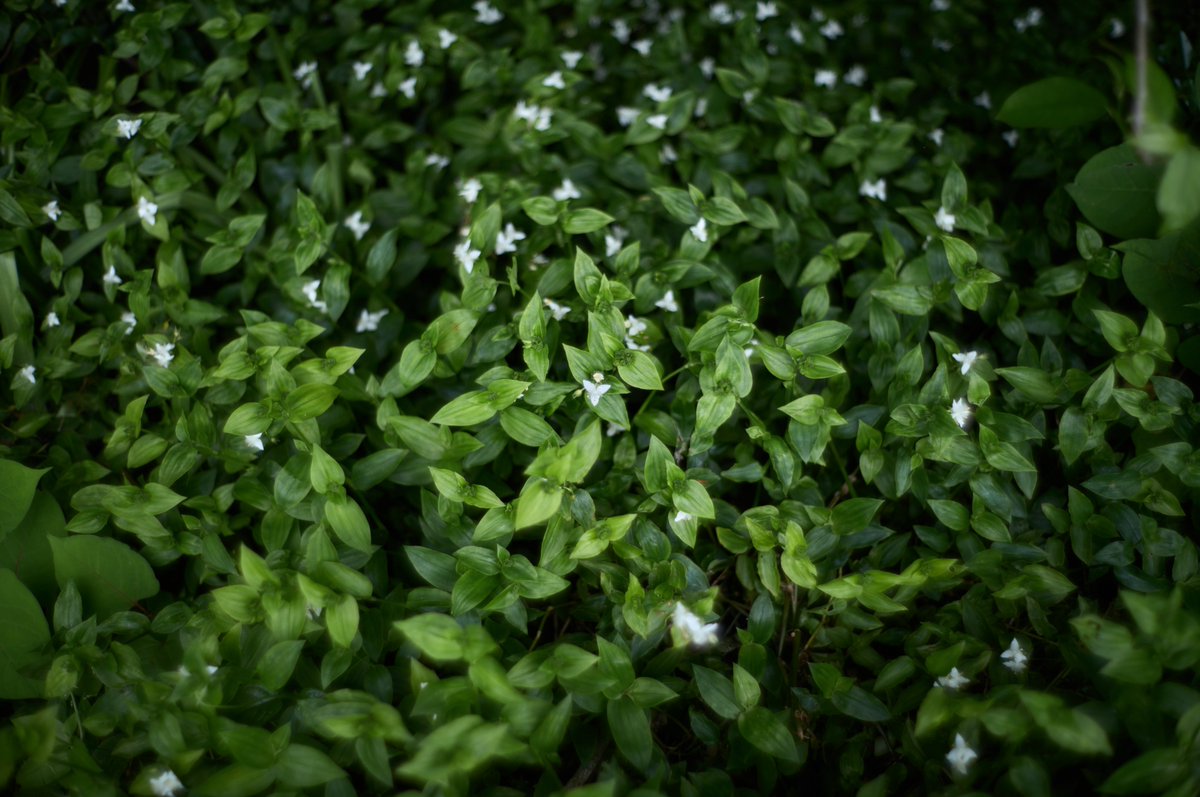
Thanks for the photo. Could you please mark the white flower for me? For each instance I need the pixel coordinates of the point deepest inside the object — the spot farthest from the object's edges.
(305, 73)
(408, 87)
(165, 784)
(254, 441)
(566, 191)
(626, 115)
(486, 13)
(825, 77)
(682, 517)
(967, 359)
(147, 211)
(544, 117)
(944, 219)
(309, 289)
(506, 239)
(620, 31)
(643, 46)
(955, 680)
(557, 310)
(1031, 20)
(875, 116)
(667, 154)
(817, 15)
(595, 388)
(940, 5)
(1014, 658)
(27, 373)
(51, 209)
(721, 14)
(614, 240)
(446, 38)
(701, 107)
(368, 321)
(764, 11)
(110, 276)
(831, 29)
(162, 354)
(361, 69)
(554, 80)
(357, 225)
(378, 91)
(699, 231)
(612, 430)
(658, 121)
(875, 190)
(571, 58)
(525, 111)
(128, 128)
(130, 322)
(437, 161)
(469, 190)
(1116, 28)
(984, 100)
(124, 5)
(748, 96)
(634, 326)
(692, 630)
(668, 303)
(1011, 137)
(856, 75)
(960, 756)
(466, 256)
(961, 412)
(60, 3)
(708, 67)
(51, 320)
(657, 93)
(414, 56)
(942, 44)
(937, 135)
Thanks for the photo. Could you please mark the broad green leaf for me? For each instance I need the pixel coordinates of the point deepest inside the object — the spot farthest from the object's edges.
(22, 636)
(17, 486)
(1052, 102)
(763, 729)
(109, 575)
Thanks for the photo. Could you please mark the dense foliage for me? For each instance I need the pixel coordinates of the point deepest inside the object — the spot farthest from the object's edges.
(598, 398)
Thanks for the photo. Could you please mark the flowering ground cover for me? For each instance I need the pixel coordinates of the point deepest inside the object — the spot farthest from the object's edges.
(599, 398)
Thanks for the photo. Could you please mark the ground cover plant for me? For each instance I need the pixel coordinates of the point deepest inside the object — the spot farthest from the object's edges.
(598, 398)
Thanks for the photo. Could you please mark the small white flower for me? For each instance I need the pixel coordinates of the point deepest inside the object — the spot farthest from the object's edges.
(525, 111)
(446, 38)
(566, 191)
(961, 412)
(764, 11)
(875, 190)
(614, 240)
(984, 100)
(211, 669)
(795, 34)
(1014, 658)
(967, 359)
(557, 310)
(937, 136)
(110, 276)
(643, 46)
(486, 13)
(28, 374)
(699, 231)
(408, 87)
(855, 75)
(309, 289)
(1011, 137)
(506, 239)
(701, 107)
(51, 320)
(544, 117)
(626, 115)
(466, 256)
(831, 29)
(357, 225)
(825, 77)
(368, 321)
(875, 116)
(128, 128)
(1116, 28)
(942, 44)
(667, 154)
(1031, 20)
(955, 680)
(612, 430)
(254, 441)
(620, 31)
(305, 73)
(378, 91)
(668, 303)
(595, 388)
(469, 190)
(124, 5)
(658, 121)
(166, 784)
(940, 5)
(414, 56)
(656, 93)
(162, 353)
(130, 322)
(960, 756)
(554, 81)
(944, 219)
(748, 96)
(721, 14)
(749, 350)
(60, 3)
(51, 210)
(361, 70)
(147, 211)
(682, 517)
(437, 161)
(571, 58)
(634, 326)
(708, 67)
(692, 630)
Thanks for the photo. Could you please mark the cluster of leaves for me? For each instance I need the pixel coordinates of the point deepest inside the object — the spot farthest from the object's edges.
(425, 383)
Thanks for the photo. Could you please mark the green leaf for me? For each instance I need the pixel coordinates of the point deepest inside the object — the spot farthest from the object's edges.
(348, 522)
(303, 767)
(823, 337)
(630, 726)
(538, 502)
(1053, 102)
(472, 407)
(1178, 199)
(763, 729)
(679, 204)
(1116, 192)
(853, 515)
(641, 371)
(585, 220)
(722, 210)
(1164, 275)
(17, 486)
(309, 401)
(1035, 383)
(1070, 729)
(861, 705)
(542, 209)
(438, 636)
(717, 691)
(109, 575)
(23, 634)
